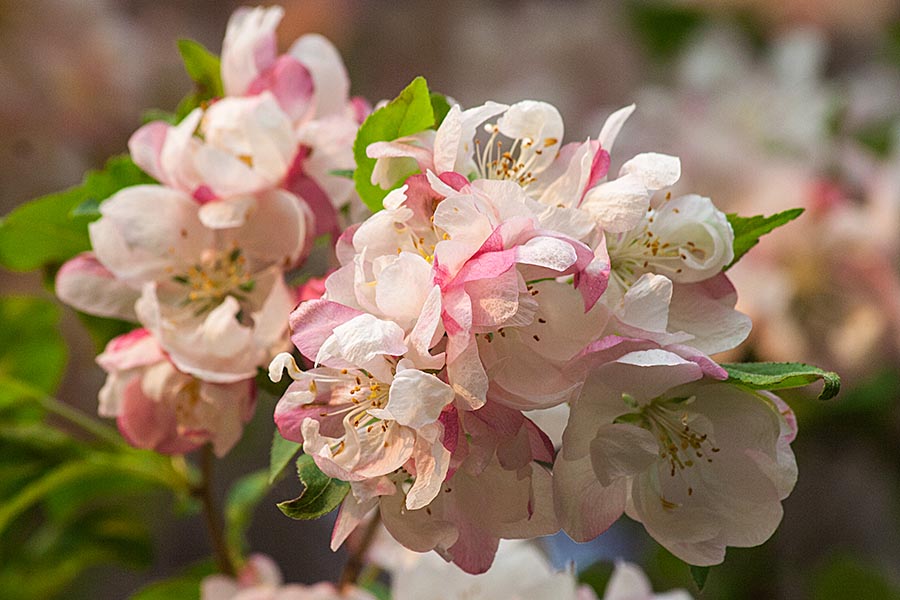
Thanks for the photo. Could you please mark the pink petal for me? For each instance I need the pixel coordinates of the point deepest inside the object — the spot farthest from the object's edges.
(86, 285)
(145, 146)
(291, 84)
(306, 188)
(313, 322)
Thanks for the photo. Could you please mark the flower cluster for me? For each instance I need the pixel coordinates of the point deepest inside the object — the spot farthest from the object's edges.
(514, 273)
(199, 260)
(495, 276)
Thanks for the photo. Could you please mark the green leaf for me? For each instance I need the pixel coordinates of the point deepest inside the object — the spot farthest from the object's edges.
(780, 376)
(408, 113)
(50, 559)
(244, 495)
(45, 231)
(321, 494)
(203, 67)
(440, 106)
(699, 575)
(32, 350)
(748, 230)
(282, 452)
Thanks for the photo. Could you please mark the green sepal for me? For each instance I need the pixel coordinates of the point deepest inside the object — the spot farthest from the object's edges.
(699, 575)
(204, 69)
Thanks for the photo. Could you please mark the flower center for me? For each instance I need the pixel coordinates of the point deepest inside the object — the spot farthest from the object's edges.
(513, 164)
(638, 251)
(680, 442)
(217, 276)
(365, 393)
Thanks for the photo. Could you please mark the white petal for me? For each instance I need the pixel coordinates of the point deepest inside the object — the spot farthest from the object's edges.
(362, 339)
(146, 229)
(655, 171)
(613, 126)
(86, 285)
(646, 304)
(416, 398)
(332, 84)
(618, 205)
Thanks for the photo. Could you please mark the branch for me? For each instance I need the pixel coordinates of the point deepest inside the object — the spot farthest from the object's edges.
(214, 526)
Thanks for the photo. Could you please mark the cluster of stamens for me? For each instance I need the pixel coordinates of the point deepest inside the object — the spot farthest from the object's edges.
(679, 443)
(633, 252)
(365, 393)
(516, 163)
(216, 277)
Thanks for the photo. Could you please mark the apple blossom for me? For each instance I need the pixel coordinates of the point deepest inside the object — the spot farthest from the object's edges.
(702, 464)
(363, 414)
(213, 298)
(160, 408)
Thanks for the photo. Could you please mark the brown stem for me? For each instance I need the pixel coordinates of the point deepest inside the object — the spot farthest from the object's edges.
(356, 560)
(214, 526)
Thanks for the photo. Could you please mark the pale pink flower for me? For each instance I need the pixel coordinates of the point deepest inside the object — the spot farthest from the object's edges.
(246, 146)
(442, 260)
(702, 464)
(160, 408)
(494, 490)
(467, 519)
(524, 146)
(365, 413)
(214, 299)
(312, 86)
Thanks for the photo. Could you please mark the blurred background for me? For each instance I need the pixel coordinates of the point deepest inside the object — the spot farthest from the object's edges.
(770, 104)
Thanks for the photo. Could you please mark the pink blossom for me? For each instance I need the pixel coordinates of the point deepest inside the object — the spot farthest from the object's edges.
(214, 299)
(702, 464)
(162, 409)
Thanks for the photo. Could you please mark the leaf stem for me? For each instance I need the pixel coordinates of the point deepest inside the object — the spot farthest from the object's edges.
(356, 560)
(63, 410)
(81, 420)
(214, 526)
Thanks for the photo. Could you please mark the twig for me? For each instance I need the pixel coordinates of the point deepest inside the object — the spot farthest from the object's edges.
(214, 526)
(356, 560)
